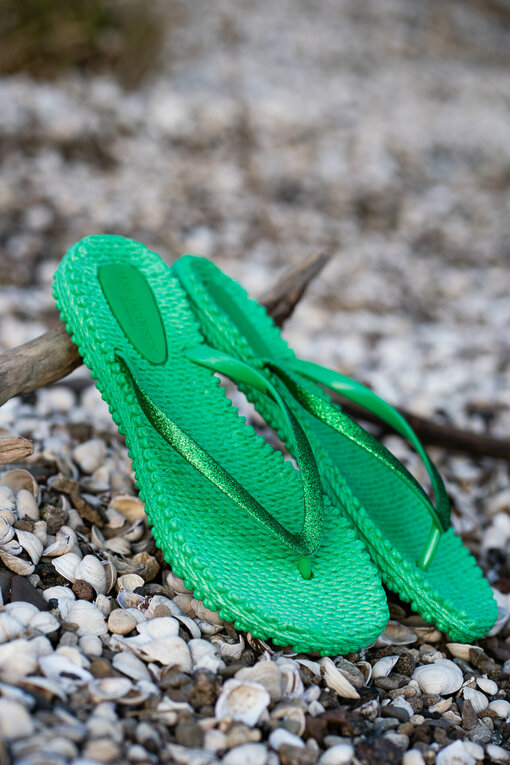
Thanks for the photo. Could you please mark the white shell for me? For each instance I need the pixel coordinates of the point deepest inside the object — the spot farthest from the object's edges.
(282, 737)
(242, 701)
(26, 505)
(131, 508)
(441, 706)
(338, 754)
(17, 659)
(396, 634)
(336, 680)
(59, 593)
(205, 655)
(91, 645)
(44, 622)
(40, 530)
(129, 582)
(245, 754)
(231, 650)
(500, 707)
(291, 682)
(176, 585)
(104, 604)
(291, 711)
(31, 543)
(413, 757)
(88, 617)
(22, 611)
(487, 686)
(266, 673)
(66, 565)
(58, 665)
(118, 545)
(91, 570)
(8, 501)
(443, 677)
(478, 699)
(383, 667)
(162, 627)
(64, 542)
(15, 721)
(10, 627)
(19, 479)
(130, 665)
(6, 531)
(90, 454)
(497, 754)
(161, 600)
(464, 651)
(18, 565)
(109, 688)
(456, 754)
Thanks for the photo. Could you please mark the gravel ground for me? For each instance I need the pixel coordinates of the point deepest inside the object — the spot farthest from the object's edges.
(380, 133)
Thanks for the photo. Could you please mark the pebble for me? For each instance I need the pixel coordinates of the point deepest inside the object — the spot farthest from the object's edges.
(339, 754)
(280, 736)
(121, 622)
(246, 754)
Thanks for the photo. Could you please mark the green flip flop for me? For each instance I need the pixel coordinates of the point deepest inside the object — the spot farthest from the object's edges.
(254, 537)
(408, 536)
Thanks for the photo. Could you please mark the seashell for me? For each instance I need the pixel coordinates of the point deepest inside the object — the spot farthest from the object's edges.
(44, 622)
(10, 627)
(104, 604)
(31, 543)
(313, 666)
(383, 667)
(281, 737)
(465, 651)
(62, 668)
(161, 627)
(115, 519)
(6, 531)
(500, 707)
(205, 655)
(94, 485)
(65, 540)
(396, 634)
(291, 682)
(137, 615)
(40, 646)
(12, 547)
(291, 711)
(176, 585)
(15, 721)
(242, 701)
(7, 499)
(129, 582)
(97, 539)
(478, 699)
(336, 680)
(266, 673)
(110, 573)
(130, 665)
(131, 508)
(457, 753)
(161, 600)
(441, 706)
(58, 593)
(127, 599)
(413, 757)
(121, 622)
(497, 754)
(370, 709)
(18, 479)
(66, 565)
(90, 454)
(91, 645)
(17, 659)
(88, 617)
(190, 625)
(135, 532)
(350, 671)
(366, 669)
(118, 545)
(26, 505)
(486, 685)
(18, 565)
(170, 651)
(91, 570)
(109, 688)
(338, 754)
(228, 650)
(40, 530)
(442, 678)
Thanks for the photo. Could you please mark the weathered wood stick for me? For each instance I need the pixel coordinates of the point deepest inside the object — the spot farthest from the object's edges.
(52, 356)
(14, 449)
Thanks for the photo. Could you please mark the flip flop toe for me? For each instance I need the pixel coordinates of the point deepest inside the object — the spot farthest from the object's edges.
(408, 534)
(254, 537)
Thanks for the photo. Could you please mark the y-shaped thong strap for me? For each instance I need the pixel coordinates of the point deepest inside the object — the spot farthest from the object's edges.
(307, 540)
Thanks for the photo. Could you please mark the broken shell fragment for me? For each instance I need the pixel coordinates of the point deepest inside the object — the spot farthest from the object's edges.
(243, 701)
(478, 699)
(266, 673)
(383, 667)
(442, 677)
(64, 542)
(336, 680)
(129, 582)
(131, 508)
(19, 479)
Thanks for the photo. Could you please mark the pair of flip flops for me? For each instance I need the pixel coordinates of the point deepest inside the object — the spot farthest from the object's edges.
(296, 555)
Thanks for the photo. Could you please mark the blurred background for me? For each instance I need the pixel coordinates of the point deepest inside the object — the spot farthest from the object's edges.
(256, 133)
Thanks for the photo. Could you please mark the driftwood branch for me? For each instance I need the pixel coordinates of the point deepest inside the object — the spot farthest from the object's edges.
(53, 356)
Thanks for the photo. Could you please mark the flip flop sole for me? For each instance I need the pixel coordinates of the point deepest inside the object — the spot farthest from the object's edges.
(230, 561)
(393, 521)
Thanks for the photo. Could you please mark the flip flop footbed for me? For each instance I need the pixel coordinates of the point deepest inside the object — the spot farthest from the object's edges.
(233, 564)
(392, 518)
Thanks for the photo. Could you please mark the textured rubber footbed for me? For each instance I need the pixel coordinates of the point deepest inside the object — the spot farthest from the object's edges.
(222, 553)
(393, 520)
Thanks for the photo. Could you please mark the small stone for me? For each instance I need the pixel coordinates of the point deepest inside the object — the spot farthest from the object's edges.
(239, 734)
(339, 754)
(205, 690)
(246, 754)
(413, 757)
(101, 668)
(121, 622)
(480, 734)
(102, 750)
(296, 755)
(455, 753)
(83, 590)
(189, 733)
(399, 712)
(15, 721)
(280, 736)
(469, 716)
(54, 517)
(5, 585)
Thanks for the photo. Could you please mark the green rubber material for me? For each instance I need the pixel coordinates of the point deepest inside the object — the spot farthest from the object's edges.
(233, 564)
(393, 519)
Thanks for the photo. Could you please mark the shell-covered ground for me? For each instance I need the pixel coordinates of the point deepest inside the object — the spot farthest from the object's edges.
(379, 132)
